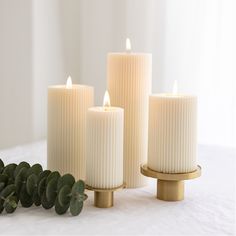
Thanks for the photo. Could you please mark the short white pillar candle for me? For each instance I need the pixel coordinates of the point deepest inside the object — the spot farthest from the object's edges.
(105, 146)
(172, 133)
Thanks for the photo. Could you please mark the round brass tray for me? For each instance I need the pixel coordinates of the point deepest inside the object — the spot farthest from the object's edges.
(169, 176)
(105, 189)
(170, 187)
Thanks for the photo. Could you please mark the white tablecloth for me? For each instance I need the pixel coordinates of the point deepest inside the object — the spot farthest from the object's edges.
(208, 208)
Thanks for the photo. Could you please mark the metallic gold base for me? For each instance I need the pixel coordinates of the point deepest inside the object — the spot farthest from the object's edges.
(104, 198)
(170, 190)
(170, 187)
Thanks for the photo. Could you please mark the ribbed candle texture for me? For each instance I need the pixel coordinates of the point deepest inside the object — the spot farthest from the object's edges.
(67, 110)
(105, 147)
(172, 133)
(129, 85)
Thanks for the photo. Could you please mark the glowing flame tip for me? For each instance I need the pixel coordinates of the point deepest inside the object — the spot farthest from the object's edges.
(106, 100)
(128, 45)
(175, 87)
(69, 83)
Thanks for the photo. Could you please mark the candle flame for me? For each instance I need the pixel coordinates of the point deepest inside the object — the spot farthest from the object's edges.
(175, 87)
(69, 83)
(128, 45)
(106, 100)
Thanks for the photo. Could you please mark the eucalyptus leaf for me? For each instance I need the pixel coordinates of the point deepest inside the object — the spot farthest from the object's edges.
(51, 190)
(1, 166)
(8, 191)
(3, 181)
(61, 209)
(9, 171)
(35, 169)
(45, 203)
(64, 195)
(42, 186)
(20, 179)
(2, 186)
(75, 206)
(1, 208)
(20, 166)
(36, 199)
(3, 178)
(66, 179)
(31, 184)
(52, 175)
(78, 187)
(11, 204)
(43, 174)
(25, 199)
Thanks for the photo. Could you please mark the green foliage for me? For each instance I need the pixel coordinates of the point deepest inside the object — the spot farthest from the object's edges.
(51, 190)
(20, 179)
(43, 174)
(3, 181)
(10, 204)
(1, 166)
(1, 207)
(8, 191)
(53, 175)
(9, 171)
(75, 206)
(36, 199)
(20, 166)
(31, 185)
(64, 195)
(61, 209)
(78, 197)
(25, 199)
(42, 186)
(79, 187)
(35, 169)
(46, 204)
(66, 179)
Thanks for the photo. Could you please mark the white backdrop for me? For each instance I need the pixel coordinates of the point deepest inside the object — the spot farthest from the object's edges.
(42, 42)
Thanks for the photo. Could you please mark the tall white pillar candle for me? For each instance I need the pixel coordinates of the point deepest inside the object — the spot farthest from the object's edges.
(172, 133)
(129, 84)
(105, 146)
(66, 141)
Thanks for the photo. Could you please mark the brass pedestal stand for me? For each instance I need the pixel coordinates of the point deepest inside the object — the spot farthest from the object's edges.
(104, 198)
(170, 187)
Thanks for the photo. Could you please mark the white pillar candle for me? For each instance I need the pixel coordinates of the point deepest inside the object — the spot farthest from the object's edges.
(172, 133)
(129, 84)
(66, 141)
(105, 146)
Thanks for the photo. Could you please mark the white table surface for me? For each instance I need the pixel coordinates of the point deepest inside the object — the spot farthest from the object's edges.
(208, 208)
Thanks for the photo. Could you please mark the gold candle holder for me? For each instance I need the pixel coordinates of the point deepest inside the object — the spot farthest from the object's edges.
(170, 187)
(104, 198)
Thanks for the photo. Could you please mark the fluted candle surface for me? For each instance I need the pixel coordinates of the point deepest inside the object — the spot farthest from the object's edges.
(105, 147)
(67, 110)
(129, 84)
(172, 133)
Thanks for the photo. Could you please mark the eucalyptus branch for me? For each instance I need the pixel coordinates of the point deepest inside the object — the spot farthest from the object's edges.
(32, 185)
